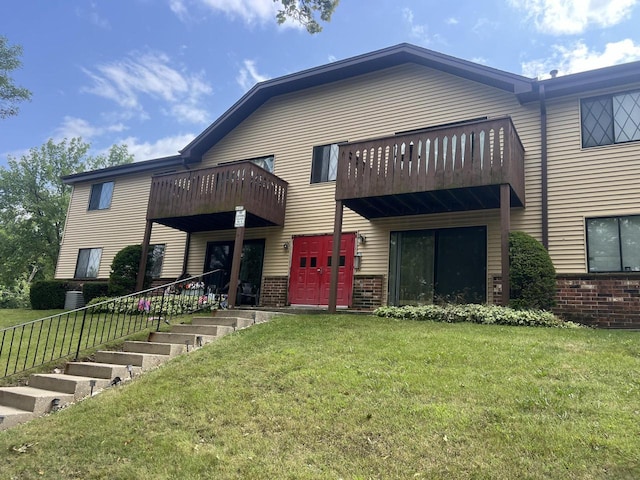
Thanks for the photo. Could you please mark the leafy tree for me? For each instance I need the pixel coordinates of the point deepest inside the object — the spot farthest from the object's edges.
(531, 272)
(10, 94)
(34, 201)
(124, 271)
(304, 12)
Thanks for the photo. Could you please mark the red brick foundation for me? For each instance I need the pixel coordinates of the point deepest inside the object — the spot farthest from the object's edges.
(274, 291)
(601, 300)
(367, 292)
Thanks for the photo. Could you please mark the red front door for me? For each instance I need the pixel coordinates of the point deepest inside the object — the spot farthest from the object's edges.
(311, 270)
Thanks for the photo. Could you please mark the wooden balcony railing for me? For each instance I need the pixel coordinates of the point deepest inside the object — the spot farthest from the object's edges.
(217, 190)
(470, 157)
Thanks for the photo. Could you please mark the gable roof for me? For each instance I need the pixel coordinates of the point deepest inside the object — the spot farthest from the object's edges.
(348, 68)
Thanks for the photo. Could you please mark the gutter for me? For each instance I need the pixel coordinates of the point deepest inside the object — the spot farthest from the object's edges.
(543, 167)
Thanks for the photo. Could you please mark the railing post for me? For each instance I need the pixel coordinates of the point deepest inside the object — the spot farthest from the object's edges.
(161, 307)
(84, 317)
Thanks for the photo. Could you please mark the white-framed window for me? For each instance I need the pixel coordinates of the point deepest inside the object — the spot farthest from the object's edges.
(88, 263)
(610, 119)
(101, 194)
(324, 165)
(613, 244)
(156, 257)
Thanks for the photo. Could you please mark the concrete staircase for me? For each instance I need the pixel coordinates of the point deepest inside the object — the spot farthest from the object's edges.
(47, 392)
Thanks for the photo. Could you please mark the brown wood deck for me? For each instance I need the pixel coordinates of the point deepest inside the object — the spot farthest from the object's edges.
(445, 169)
(205, 199)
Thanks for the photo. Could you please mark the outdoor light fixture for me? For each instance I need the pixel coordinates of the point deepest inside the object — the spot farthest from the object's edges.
(55, 404)
(1, 420)
(130, 370)
(92, 384)
(187, 343)
(357, 261)
(285, 245)
(199, 341)
(361, 239)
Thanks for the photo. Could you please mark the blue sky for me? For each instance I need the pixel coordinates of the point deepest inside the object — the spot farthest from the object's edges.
(154, 73)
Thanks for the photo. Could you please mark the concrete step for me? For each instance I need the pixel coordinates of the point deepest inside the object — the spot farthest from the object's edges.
(234, 322)
(142, 360)
(33, 399)
(10, 417)
(155, 348)
(78, 386)
(234, 313)
(180, 338)
(99, 370)
(213, 330)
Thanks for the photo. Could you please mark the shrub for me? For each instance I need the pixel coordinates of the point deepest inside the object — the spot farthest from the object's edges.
(484, 314)
(48, 294)
(92, 290)
(124, 271)
(135, 305)
(15, 297)
(531, 272)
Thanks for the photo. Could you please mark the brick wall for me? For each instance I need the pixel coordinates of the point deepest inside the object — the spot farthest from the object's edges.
(367, 292)
(274, 291)
(601, 300)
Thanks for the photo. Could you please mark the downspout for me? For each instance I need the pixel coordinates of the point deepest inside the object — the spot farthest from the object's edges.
(543, 167)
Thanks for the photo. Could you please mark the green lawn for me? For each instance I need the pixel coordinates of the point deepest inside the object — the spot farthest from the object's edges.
(358, 397)
(10, 317)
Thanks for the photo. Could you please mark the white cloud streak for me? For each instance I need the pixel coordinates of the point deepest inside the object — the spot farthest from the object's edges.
(72, 127)
(162, 147)
(578, 58)
(249, 76)
(139, 77)
(569, 17)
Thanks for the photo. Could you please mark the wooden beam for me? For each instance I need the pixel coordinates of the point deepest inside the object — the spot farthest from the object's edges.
(142, 267)
(235, 266)
(505, 226)
(335, 257)
(185, 258)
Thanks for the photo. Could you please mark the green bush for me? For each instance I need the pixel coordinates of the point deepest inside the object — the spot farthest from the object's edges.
(135, 305)
(484, 314)
(124, 271)
(531, 273)
(92, 290)
(15, 297)
(48, 294)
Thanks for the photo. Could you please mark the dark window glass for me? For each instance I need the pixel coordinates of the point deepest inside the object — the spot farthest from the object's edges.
(313, 262)
(303, 262)
(88, 263)
(325, 163)
(610, 119)
(101, 194)
(613, 244)
(156, 256)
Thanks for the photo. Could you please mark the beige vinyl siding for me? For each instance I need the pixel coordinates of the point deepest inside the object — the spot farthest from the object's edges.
(378, 104)
(585, 182)
(116, 227)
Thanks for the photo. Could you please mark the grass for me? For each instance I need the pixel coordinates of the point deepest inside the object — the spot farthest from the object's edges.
(16, 316)
(358, 397)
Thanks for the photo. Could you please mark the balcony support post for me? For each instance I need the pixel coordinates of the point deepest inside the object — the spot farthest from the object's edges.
(505, 226)
(235, 267)
(142, 268)
(335, 257)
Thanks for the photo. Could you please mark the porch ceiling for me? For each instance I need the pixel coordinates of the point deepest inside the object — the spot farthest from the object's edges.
(211, 221)
(436, 201)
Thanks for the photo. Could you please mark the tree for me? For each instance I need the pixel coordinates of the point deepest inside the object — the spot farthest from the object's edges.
(304, 12)
(34, 201)
(10, 94)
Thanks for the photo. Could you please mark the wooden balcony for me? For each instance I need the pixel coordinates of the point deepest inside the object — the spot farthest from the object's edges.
(446, 169)
(205, 199)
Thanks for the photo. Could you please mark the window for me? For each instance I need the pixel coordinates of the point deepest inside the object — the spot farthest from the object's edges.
(610, 119)
(613, 244)
(325, 163)
(264, 162)
(101, 196)
(156, 255)
(88, 263)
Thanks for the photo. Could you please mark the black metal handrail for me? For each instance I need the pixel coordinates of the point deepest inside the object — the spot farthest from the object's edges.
(46, 340)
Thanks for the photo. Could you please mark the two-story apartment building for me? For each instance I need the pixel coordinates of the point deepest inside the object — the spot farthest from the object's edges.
(416, 163)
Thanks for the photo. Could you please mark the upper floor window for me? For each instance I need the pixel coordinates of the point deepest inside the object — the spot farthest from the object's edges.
(610, 119)
(101, 194)
(612, 244)
(325, 163)
(264, 162)
(88, 263)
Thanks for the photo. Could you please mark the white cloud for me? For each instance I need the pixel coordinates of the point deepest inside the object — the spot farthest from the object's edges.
(417, 31)
(250, 11)
(162, 147)
(578, 58)
(93, 16)
(179, 7)
(139, 77)
(452, 21)
(565, 17)
(249, 76)
(72, 127)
